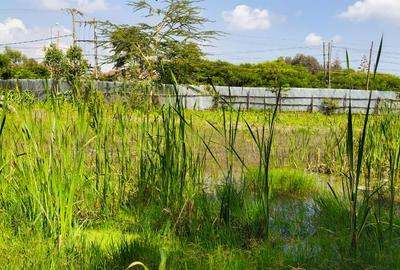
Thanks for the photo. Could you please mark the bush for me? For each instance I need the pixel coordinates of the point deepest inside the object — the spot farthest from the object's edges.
(330, 105)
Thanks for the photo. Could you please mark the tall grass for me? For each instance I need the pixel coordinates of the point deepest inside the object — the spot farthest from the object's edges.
(263, 141)
(148, 172)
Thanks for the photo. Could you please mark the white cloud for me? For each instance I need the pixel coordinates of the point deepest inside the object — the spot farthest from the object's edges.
(87, 6)
(14, 30)
(10, 29)
(245, 18)
(313, 39)
(388, 10)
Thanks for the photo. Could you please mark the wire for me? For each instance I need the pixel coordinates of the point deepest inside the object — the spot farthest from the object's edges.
(31, 41)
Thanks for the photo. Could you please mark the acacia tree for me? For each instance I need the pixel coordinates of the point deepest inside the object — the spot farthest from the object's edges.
(142, 48)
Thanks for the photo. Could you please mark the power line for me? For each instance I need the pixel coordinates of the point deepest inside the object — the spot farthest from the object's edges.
(268, 50)
(30, 41)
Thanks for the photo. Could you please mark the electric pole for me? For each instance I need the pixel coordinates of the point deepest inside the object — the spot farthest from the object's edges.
(324, 54)
(93, 24)
(95, 45)
(330, 64)
(73, 12)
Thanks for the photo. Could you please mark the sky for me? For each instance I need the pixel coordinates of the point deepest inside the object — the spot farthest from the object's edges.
(255, 30)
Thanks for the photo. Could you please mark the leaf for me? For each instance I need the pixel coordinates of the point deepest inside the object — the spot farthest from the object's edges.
(137, 264)
(378, 57)
(347, 60)
(3, 122)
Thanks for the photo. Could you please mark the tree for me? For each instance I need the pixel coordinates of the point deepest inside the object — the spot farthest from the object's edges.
(54, 59)
(309, 62)
(38, 69)
(76, 65)
(15, 65)
(182, 61)
(129, 47)
(336, 66)
(16, 57)
(5, 64)
(144, 47)
(364, 64)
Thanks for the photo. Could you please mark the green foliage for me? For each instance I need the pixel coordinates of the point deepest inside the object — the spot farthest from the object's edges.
(309, 62)
(76, 66)
(176, 29)
(330, 105)
(54, 59)
(97, 185)
(266, 75)
(71, 66)
(15, 65)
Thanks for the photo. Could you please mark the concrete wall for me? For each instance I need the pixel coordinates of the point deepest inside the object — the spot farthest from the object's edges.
(201, 97)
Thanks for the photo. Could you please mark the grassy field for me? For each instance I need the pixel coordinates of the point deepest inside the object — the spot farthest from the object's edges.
(93, 184)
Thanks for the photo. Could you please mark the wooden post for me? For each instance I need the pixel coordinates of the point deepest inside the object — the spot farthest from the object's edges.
(377, 104)
(264, 103)
(312, 104)
(330, 65)
(248, 101)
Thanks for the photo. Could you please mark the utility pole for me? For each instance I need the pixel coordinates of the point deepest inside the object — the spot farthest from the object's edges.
(73, 12)
(93, 24)
(95, 47)
(330, 64)
(324, 54)
(58, 35)
(58, 39)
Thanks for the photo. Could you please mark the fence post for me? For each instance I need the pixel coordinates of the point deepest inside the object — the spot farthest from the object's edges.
(344, 102)
(377, 104)
(248, 100)
(264, 103)
(312, 104)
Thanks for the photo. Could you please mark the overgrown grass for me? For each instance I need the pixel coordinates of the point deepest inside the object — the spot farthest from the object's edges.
(94, 184)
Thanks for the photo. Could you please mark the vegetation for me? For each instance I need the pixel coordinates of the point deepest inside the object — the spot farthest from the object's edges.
(176, 29)
(14, 65)
(201, 71)
(71, 66)
(93, 181)
(92, 184)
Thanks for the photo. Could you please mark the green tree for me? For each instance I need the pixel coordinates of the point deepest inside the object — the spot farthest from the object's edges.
(183, 62)
(129, 47)
(309, 62)
(5, 64)
(143, 48)
(15, 65)
(76, 65)
(54, 59)
(16, 57)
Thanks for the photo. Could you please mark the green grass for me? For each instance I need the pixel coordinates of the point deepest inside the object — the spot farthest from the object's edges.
(291, 182)
(94, 184)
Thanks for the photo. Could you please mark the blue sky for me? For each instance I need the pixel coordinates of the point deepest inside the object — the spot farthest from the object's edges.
(257, 30)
